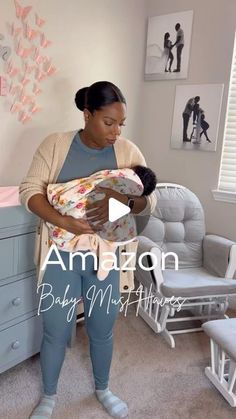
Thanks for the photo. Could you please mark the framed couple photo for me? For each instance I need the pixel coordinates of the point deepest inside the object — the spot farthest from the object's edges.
(196, 116)
(168, 46)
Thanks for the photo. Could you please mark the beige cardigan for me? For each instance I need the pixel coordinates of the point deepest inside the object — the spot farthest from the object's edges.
(45, 168)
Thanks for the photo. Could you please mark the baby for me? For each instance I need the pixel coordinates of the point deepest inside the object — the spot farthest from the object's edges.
(70, 198)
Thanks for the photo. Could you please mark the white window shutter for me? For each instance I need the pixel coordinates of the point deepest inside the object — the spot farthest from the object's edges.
(227, 179)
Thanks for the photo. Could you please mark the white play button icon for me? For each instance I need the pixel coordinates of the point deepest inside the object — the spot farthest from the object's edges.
(116, 209)
(121, 224)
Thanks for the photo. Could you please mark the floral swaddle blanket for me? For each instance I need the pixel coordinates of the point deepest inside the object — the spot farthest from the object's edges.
(70, 198)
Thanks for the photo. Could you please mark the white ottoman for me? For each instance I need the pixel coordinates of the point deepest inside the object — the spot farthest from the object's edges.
(222, 371)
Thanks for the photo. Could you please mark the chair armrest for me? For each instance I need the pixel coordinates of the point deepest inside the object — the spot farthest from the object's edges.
(153, 259)
(145, 245)
(219, 256)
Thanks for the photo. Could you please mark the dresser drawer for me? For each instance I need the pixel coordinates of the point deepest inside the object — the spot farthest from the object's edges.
(16, 255)
(25, 252)
(7, 249)
(19, 342)
(18, 298)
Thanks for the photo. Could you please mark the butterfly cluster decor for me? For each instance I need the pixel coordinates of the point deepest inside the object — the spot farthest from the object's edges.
(27, 66)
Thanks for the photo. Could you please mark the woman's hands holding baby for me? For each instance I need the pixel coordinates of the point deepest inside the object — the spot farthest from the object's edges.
(96, 212)
(78, 226)
(99, 210)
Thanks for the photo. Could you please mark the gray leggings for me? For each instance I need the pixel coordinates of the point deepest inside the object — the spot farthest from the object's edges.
(101, 310)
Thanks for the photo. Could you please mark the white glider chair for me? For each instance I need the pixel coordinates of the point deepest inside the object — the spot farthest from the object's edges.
(172, 300)
(222, 371)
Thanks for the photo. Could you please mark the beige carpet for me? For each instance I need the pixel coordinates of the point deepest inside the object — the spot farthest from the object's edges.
(156, 381)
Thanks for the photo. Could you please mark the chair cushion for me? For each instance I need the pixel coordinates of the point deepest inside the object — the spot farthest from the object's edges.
(223, 332)
(195, 282)
(177, 225)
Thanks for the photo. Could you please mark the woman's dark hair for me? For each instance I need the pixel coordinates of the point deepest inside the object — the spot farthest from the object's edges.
(99, 94)
(148, 178)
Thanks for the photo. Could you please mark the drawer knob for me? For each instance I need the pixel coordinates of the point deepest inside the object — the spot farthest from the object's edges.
(15, 345)
(16, 301)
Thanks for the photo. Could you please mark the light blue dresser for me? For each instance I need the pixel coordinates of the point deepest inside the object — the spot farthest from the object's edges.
(20, 326)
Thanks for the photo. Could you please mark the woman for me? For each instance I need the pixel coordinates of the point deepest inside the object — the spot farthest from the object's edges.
(60, 158)
(167, 50)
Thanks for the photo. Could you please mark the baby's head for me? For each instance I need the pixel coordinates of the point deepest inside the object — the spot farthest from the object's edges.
(147, 177)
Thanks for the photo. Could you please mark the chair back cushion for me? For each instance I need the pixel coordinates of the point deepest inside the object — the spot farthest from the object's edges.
(176, 225)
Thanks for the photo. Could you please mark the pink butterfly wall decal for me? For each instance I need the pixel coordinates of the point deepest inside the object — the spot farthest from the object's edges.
(46, 60)
(52, 70)
(44, 42)
(11, 70)
(34, 52)
(21, 97)
(8, 65)
(13, 30)
(49, 68)
(24, 117)
(39, 22)
(15, 107)
(36, 89)
(27, 100)
(47, 63)
(29, 42)
(39, 59)
(34, 108)
(24, 98)
(22, 52)
(23, 80)
(39, 75)
(36, 55)
(22, 12)
(28, 68)
(15, 89)
(29, 33)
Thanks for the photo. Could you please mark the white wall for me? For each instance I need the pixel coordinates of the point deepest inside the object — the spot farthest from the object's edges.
(214, 26)
(92, 40)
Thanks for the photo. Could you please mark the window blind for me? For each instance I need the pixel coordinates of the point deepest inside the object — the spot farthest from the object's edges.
(227, 178)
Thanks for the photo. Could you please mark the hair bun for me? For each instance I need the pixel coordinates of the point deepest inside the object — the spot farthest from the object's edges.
(80, 98)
